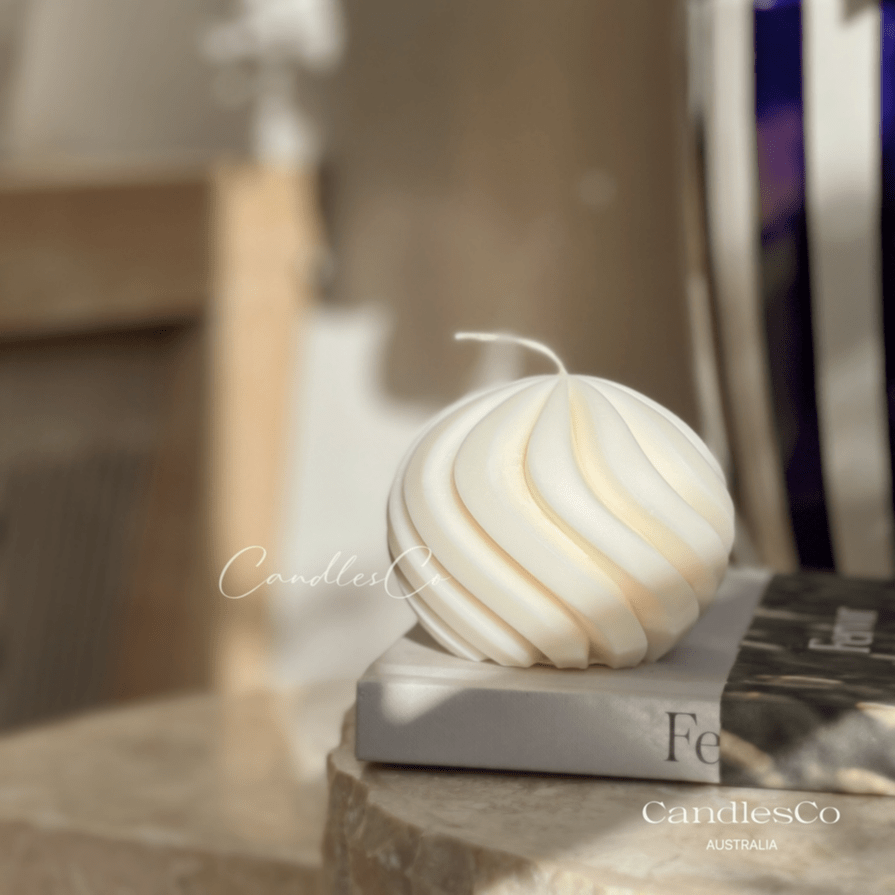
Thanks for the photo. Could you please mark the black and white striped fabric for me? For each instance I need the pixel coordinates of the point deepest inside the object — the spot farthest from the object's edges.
(798, 111)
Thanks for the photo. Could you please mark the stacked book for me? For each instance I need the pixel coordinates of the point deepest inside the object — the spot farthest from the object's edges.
(786, 682)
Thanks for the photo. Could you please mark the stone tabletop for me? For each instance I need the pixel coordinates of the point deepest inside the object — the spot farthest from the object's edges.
(210, 796)
(194, 795)
(444, 832)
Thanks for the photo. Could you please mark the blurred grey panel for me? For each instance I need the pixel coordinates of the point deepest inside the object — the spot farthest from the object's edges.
(68, 548)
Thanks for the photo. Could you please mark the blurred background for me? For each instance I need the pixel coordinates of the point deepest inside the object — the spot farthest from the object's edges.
(236, 239)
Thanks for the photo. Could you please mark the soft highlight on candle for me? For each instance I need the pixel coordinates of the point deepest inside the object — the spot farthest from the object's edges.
(574, 522)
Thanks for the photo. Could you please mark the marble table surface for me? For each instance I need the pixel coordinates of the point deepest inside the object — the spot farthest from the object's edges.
(188, 795)
(440, 832)
(204, 796)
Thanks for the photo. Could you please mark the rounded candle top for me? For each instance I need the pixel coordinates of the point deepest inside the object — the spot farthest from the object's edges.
(566, 520)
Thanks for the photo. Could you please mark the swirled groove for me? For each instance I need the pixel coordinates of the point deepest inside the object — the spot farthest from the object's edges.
(571, 519)
(622, 555)
(490, 475)
(646, 501)
(470, 555)
(698, 481)
(477, 624)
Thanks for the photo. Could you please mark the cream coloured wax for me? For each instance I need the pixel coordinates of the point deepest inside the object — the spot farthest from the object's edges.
(564, 519)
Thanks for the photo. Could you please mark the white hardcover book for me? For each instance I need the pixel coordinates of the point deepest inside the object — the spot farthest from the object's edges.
(419, 705)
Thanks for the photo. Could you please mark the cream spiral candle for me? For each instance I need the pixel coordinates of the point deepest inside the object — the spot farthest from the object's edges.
(564, 520)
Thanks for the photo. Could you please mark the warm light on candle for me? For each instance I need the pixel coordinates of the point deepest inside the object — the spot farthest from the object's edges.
(576, 521)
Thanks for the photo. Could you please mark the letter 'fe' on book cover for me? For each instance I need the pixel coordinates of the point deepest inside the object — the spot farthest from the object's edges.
(786, 682)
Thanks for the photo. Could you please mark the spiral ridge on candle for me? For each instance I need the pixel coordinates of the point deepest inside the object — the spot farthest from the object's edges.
(569, 520)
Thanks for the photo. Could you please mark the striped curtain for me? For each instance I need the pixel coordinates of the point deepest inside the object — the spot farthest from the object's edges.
(797, 115)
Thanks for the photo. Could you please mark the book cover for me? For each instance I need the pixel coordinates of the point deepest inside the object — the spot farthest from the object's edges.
(786, 682)
(810, 700)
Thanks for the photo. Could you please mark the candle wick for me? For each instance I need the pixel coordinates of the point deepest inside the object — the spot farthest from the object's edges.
(507, 337)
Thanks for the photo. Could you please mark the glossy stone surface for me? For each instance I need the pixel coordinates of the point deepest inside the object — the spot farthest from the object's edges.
(435, 832)
(190, 795)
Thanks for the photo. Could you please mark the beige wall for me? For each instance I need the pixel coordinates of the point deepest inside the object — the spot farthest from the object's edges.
(111, 82)
(508, 164)
(515, 165)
